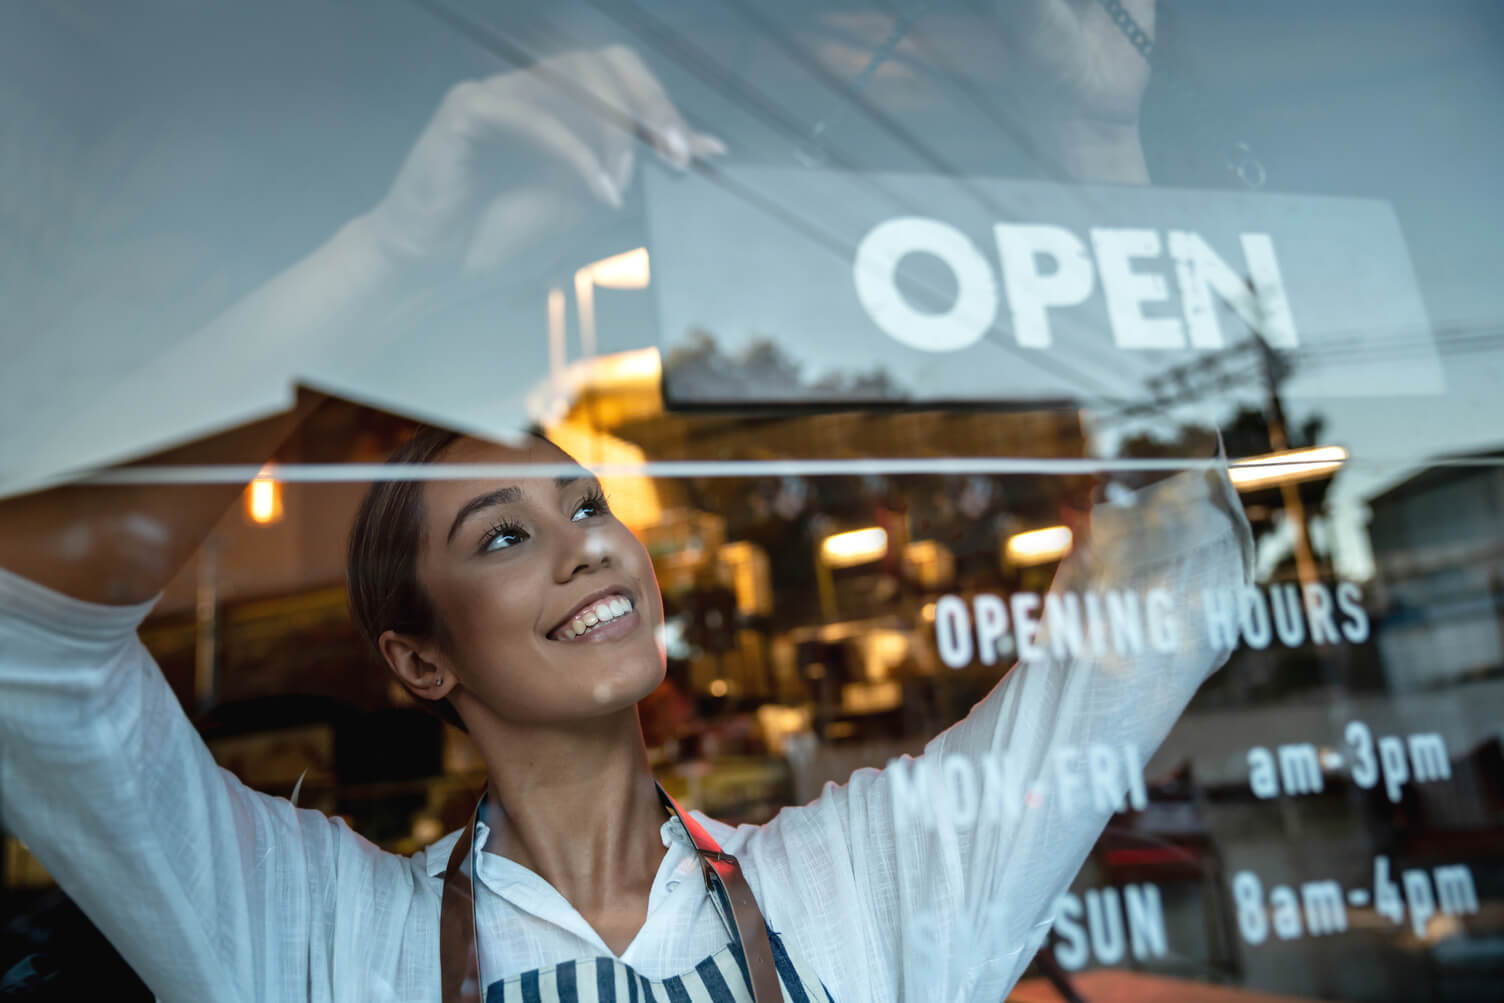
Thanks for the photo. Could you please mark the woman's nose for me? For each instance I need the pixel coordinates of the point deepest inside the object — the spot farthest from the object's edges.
(587, 550)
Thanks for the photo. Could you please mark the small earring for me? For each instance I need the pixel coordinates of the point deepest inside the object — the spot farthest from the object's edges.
(438, 680)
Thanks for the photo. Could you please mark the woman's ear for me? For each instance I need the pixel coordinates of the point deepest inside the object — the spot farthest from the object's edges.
(421, 667)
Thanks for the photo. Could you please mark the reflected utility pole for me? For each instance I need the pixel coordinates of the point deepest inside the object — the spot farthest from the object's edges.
(1274, 371)
(206, 633)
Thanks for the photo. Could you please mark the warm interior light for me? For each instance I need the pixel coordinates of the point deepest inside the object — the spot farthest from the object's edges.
(621, 387)
(929, 562)
(619, 370)
(871, 697)
(263, 501)
(1286, 467)
(883, 652)
(855, 547)
(923, 552)
(1038, 546)
(751, 576)
(628, 270)
(633, 497)
(718, 687)
(584, 303)
(778, 724)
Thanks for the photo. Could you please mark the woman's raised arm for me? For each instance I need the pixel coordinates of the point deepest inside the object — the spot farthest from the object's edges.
(954, 860)
(121, 544)
(184, 869)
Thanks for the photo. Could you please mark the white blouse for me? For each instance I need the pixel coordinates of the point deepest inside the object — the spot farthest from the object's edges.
(907, 883)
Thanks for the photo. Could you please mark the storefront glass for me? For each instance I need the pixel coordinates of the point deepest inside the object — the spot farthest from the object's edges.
(1126, 371)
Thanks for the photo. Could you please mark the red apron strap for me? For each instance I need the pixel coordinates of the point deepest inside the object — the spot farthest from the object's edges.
(750, 928)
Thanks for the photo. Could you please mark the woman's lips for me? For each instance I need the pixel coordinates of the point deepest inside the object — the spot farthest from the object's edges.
(596, 617)
(619, 627)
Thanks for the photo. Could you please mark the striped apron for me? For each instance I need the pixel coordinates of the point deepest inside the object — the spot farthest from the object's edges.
(717, 979)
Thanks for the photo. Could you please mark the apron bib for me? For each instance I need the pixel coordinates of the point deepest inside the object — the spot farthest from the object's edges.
(755, 967)
(717, 979)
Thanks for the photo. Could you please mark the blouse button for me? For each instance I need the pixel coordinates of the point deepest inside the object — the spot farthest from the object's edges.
(672, 885)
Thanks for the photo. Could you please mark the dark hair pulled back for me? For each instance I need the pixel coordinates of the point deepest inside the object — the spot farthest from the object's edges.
(381, 562)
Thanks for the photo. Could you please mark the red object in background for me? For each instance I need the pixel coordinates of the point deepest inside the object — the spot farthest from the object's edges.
(1137, 987)
(1146, 856)
(666, 713)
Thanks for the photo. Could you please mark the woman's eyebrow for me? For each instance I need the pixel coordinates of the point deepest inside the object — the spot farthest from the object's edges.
(501, 496)
(504, 496)
(567, 479)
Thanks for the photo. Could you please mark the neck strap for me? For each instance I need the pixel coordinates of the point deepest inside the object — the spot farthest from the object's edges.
(459, 966)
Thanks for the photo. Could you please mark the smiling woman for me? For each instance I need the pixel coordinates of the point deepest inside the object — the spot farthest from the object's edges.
(467, 589)
(527, 614)
(525, 610)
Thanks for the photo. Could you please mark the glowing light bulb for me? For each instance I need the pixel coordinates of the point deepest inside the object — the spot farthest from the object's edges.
(263, 500)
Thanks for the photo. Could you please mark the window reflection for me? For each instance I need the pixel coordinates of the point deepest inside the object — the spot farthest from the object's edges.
(880, 324)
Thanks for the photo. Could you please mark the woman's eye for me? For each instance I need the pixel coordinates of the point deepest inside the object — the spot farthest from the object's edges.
(504, 537)
(588, 508)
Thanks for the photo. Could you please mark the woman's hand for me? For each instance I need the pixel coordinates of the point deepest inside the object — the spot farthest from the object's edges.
(509, 158)
(1085, 79)
(1084, 59)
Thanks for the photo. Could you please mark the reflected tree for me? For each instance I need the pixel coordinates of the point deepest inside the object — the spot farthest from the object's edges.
(699, 369)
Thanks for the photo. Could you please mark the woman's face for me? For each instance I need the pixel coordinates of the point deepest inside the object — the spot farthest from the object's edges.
(551, 606)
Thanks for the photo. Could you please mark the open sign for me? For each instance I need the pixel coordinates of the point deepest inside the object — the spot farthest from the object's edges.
(783, 285)
(1135, 266)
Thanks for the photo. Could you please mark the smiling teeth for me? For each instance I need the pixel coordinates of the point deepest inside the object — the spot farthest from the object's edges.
(602, 612)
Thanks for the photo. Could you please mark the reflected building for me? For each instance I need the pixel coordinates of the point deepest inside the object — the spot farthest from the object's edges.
(1438, 546)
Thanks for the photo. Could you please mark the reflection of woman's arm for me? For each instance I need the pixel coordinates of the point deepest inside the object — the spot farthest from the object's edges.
(1083, 82)
(502, 163)
(1100, 152)
(953, 864)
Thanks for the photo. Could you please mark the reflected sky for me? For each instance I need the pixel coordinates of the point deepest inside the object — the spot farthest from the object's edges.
(162, 162)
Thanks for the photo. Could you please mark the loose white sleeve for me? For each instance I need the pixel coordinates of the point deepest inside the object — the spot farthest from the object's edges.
(952, 862)
(209, 890)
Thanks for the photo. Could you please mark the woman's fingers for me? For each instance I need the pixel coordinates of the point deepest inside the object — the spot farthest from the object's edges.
(583, 111)
(592, 94)
(650, 106)
(1050, 24)
(624, 102)
(623, 166)
(703, 144)
(494, 105)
